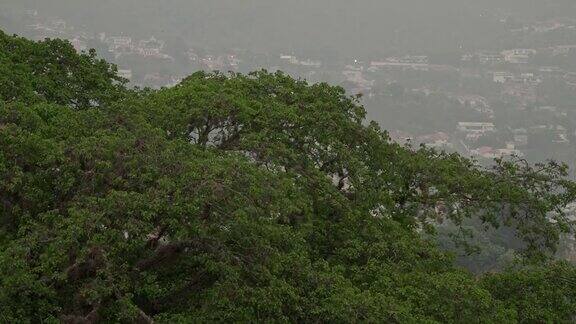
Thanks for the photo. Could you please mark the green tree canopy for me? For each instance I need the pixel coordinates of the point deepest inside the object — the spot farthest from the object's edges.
(52, 71)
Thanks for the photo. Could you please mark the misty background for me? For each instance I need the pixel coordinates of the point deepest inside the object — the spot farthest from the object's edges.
(341, 28)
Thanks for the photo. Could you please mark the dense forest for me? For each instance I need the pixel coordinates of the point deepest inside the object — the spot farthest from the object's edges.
(249, 198)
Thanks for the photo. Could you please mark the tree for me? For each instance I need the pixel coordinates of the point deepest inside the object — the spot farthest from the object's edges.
(52, 71)
(545, 293)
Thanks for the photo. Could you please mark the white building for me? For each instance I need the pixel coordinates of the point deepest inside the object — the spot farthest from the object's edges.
(476, 127)
(290, 58)
(490, 58)
(119, 44)
(311, 63)
(119, 40)
(490, 153)
(502, 77)
(518, 56)
(151, 43)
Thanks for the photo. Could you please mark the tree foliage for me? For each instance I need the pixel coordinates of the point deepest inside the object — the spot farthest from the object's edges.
(51, 71)
(245, 198)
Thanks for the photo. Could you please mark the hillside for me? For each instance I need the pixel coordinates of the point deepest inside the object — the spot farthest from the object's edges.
(248, 198)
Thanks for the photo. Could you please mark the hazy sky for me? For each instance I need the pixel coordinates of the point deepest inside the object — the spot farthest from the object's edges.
(324, 26)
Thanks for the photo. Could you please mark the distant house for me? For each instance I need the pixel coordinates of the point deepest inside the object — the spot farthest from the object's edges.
(31, 13)
(119, 40)
(296, 61)
(415, 62)
(491, 153)
(526, 78)
(359, 82)
(126, 74)
(289, 58)
(484, 151)
(570, 79)
(481, 128)
(490, 58)
(551, 109)
(563, 49)
(150, 47)
(518, 56)
(560, 133)
(423, 91)
(476, 102)
(214, 63)
(520, 136)
(149, 52)
(151, 43)
(473, 100)
(524, 92)
(468, 57)
(192, 56)
(547, 26)
(233, 61)
(551, 70)
(556, 134)
(502, 77)
(45, 31)
(58, 25)
(119, 44)
(437, 140)
(173, 81)
(409, 59)
(311, 63)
